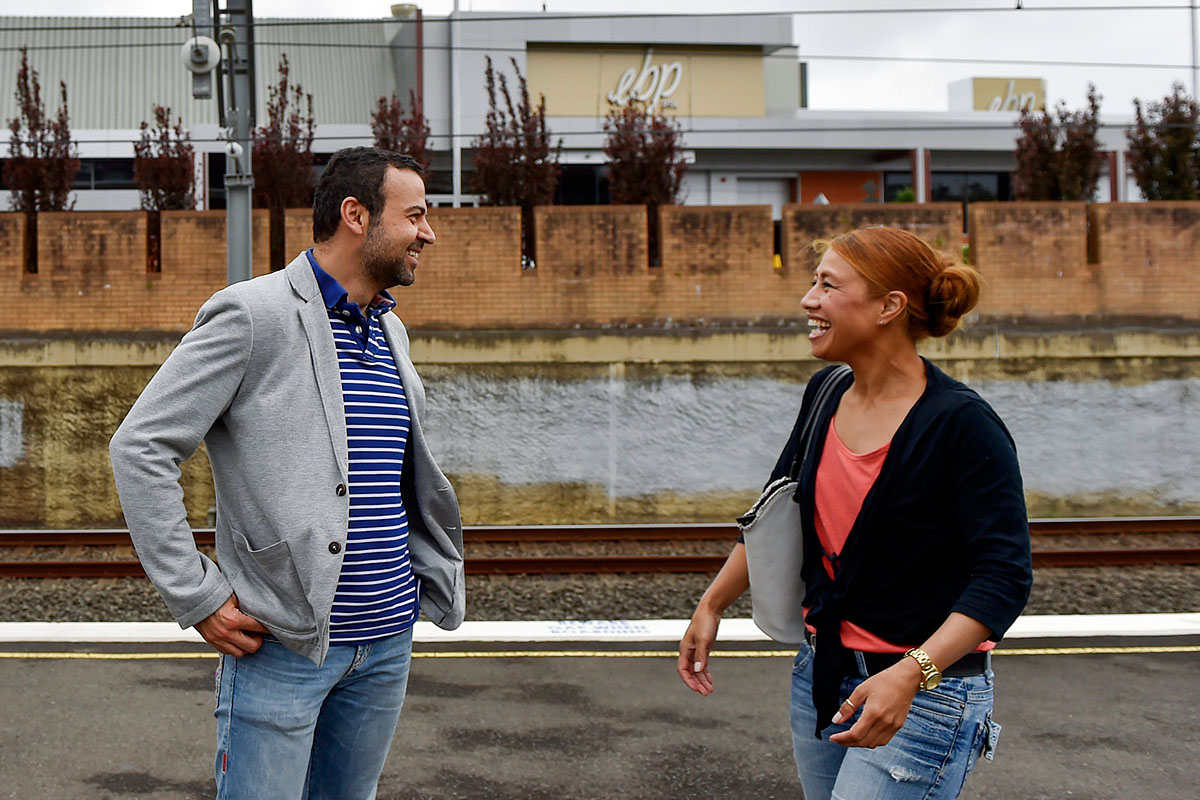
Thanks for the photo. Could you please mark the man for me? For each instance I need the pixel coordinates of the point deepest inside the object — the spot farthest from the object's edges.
(334, 524)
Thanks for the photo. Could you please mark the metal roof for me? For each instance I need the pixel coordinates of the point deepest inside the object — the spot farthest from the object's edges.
(117, 68)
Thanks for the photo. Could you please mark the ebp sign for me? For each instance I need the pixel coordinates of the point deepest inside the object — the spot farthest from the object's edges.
(589, 81)
(653, 84)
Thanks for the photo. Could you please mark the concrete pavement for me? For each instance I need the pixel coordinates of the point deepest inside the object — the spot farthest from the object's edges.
(560, 720)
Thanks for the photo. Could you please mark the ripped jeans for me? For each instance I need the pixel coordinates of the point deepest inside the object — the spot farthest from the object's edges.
(929, 758)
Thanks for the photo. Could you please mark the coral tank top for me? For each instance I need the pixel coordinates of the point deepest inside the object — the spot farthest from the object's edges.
(843, 480)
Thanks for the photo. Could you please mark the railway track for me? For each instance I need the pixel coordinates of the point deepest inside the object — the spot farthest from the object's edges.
(1045, 532)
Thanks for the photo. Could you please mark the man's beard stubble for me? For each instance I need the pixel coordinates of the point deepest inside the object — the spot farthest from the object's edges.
(381, 265)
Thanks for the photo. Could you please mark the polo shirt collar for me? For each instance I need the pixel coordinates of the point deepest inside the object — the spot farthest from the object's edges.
(337, 297)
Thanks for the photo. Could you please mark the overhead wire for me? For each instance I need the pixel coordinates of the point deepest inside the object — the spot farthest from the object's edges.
(666, 49)
(686, 130)
(491, 17)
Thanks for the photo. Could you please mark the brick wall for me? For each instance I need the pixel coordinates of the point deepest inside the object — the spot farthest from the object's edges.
(1149, 258)
(592, 264)
(297, 226)
(86, 260)
(940, 224)
(1034, 260)
(471, 277)
(712, 240)
(718, 266)
(12, 250)
(92, 270)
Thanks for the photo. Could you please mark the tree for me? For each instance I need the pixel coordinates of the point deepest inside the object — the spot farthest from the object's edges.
(164, 170)
(1036, 177)
(404, 134)
(645, 162)
(42, 161)
(1079, 170)
(164, 166)
(1164, 147)
(283, 158)
(1058, 158)
(514, 163)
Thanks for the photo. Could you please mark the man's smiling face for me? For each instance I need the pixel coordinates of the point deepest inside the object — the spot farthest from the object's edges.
(396, 236)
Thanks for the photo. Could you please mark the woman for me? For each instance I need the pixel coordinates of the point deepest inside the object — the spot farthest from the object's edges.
(916, 542)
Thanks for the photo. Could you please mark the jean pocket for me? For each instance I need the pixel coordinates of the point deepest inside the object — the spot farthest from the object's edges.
(803, 656)
(217, 682)
(992, 736)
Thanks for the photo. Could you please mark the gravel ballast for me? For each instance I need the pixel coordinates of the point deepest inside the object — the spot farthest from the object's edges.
(1081, 590)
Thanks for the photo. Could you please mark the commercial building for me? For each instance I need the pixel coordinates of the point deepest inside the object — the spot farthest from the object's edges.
(736, 84)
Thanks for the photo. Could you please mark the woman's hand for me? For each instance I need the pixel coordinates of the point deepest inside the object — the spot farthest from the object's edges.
(884, 699)
(697, 642)
(694, 648)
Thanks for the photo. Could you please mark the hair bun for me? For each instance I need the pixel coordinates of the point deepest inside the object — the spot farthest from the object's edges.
(953, 292)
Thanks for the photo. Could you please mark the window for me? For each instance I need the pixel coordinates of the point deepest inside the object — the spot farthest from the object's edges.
(968, 187)
(104, 173)
(946, 187)
(985, 186)
(893, 183)
(98, 173)
(113, 173)
(582, 185)
(952, 187)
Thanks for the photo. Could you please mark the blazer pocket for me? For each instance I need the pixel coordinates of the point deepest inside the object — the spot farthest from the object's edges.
(269, 588)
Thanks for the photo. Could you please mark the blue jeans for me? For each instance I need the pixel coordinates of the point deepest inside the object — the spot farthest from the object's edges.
(289, 730)
(929, 758)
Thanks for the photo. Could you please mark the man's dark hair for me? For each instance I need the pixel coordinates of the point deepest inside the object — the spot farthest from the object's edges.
(354, 172)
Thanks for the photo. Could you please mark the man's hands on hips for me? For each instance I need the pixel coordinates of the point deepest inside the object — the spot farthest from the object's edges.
(230, 631)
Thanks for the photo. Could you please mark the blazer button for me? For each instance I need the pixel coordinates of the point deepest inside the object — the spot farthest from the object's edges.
(335, 547)
(341, 490)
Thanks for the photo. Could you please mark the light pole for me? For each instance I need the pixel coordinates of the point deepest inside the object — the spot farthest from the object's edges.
(236, 94)
(231, 54)
(455, 112)
(1195, 56)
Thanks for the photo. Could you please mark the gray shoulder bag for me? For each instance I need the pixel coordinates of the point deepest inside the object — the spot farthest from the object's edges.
(774, 542)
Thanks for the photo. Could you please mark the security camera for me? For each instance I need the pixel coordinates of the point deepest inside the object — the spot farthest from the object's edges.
(200, 54)
(234, 150)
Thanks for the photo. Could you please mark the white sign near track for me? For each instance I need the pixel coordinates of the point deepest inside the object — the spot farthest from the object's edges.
(12, 435)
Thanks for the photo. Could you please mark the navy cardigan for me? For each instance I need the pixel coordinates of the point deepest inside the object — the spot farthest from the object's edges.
(943, 529)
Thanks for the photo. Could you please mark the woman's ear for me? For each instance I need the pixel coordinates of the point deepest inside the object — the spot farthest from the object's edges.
(894, 305)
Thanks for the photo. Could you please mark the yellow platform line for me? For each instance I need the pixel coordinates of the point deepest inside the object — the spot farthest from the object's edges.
(464, 654)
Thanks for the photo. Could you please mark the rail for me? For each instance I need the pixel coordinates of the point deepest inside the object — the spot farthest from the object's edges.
(1040, 529)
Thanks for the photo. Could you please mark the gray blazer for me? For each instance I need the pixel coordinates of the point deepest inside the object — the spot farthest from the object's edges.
(257, 379)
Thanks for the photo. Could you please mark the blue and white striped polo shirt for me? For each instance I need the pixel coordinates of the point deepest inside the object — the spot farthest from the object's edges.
(377, 592)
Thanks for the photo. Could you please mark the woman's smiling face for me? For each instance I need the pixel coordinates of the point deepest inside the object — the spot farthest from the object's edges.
(842, 312)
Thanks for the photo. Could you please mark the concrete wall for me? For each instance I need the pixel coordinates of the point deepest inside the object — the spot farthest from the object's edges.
(1046, 263)
(590, 427)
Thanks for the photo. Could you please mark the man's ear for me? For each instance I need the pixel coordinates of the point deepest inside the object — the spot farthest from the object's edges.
(355, 215)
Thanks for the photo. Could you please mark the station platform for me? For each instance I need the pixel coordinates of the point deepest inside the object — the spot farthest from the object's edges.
(1092, 707)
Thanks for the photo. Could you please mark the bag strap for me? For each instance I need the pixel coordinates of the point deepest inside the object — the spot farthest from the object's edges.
(823, 393)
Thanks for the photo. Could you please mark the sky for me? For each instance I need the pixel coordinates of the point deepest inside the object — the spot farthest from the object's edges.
(1097, 42)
